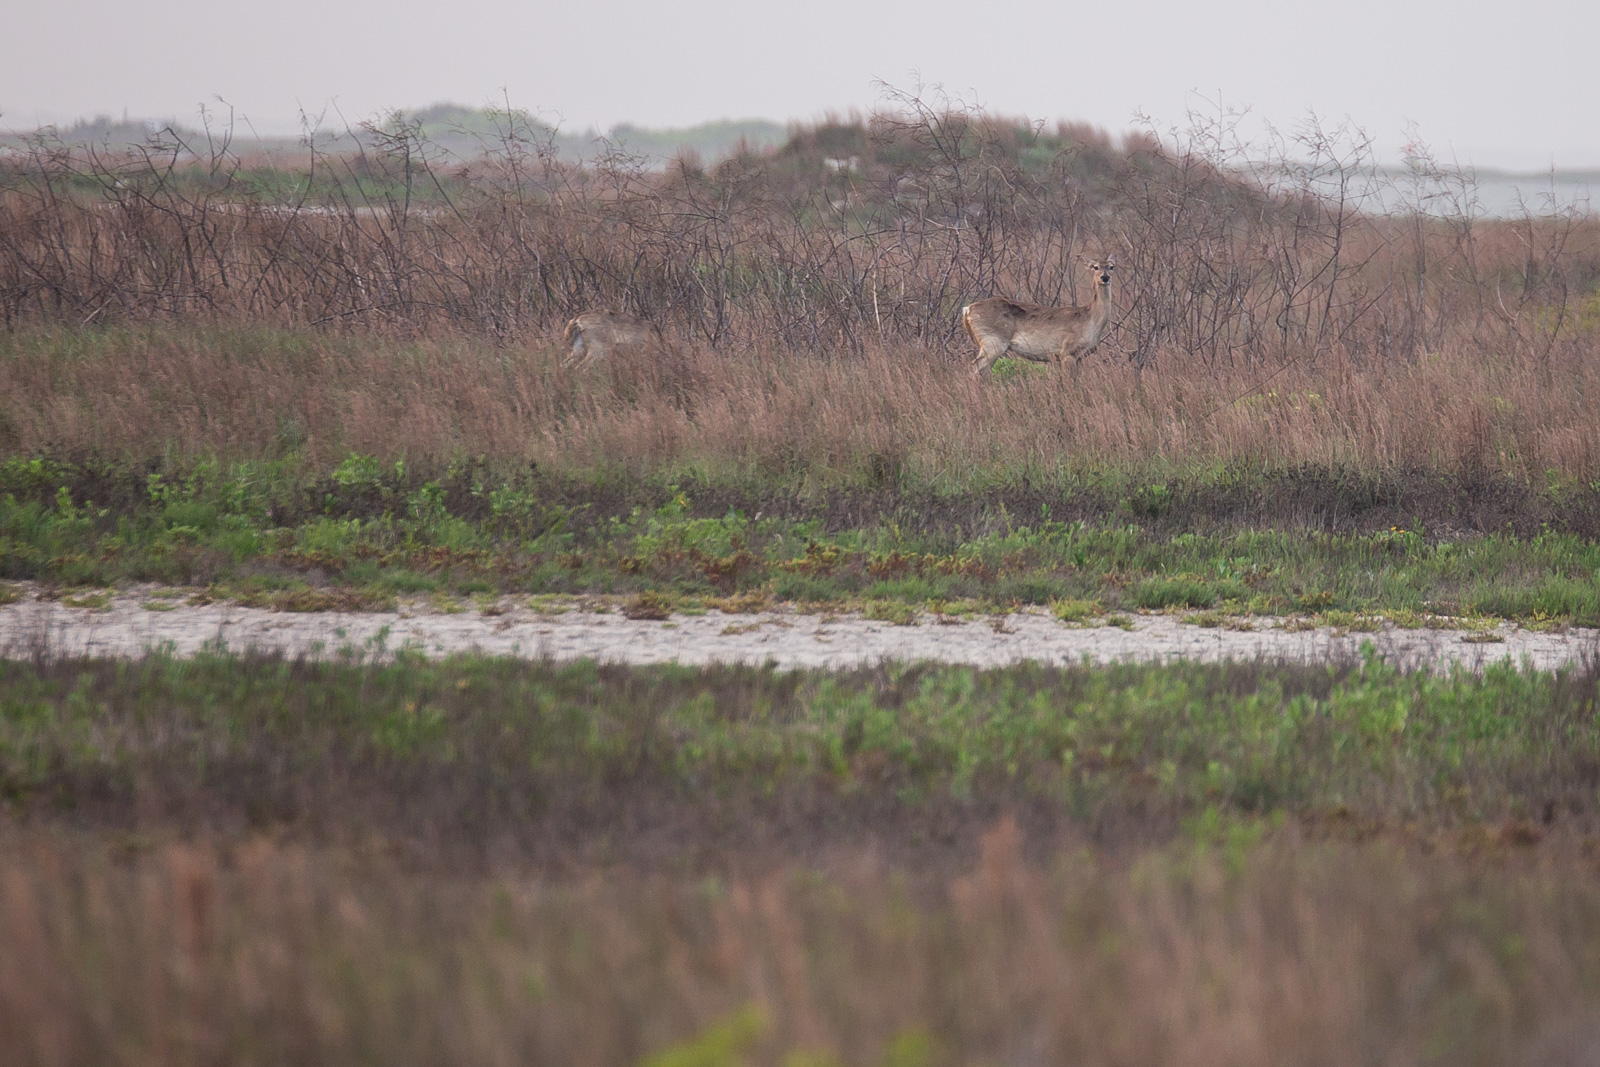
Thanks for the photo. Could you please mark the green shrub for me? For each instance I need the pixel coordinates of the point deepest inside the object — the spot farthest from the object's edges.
(1158, 593)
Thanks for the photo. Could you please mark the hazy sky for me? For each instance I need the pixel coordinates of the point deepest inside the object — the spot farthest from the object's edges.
(1496, 84)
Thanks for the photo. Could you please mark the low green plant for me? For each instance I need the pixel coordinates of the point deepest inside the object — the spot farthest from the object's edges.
(1350, 621)
(897, 612)
(723, 1044)
(473, 530)
(490, 605)
(1071, 609)
(1185, 591)
(445, 604)
(552, 605)
(263, 735)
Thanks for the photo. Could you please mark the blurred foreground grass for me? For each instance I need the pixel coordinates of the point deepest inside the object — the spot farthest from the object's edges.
(226, 860)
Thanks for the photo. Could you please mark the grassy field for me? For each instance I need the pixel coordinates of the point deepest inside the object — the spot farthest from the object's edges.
(341, 390)
(363, 534)
(226, 859)
(223, 459)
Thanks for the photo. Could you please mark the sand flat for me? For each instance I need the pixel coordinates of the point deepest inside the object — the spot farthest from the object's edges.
(124, 628)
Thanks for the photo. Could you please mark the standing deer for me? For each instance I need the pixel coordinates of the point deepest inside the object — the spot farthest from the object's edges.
(1043, 334)
(594, 335)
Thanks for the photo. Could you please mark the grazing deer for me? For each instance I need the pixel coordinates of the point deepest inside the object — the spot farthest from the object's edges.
(1043, 334)
(594, 335)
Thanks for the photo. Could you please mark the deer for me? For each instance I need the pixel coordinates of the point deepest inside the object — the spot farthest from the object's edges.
(1042, 334)
(594, 335)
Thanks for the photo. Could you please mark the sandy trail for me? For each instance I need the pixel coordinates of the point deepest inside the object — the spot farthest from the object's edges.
(788, 639)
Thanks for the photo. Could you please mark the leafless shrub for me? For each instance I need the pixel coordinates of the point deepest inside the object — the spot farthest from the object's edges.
(1283, 303)
(873, 231)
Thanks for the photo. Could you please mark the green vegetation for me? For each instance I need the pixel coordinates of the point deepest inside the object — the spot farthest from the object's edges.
(336, 387)
(425, 863)
(495, 740)
(258, 532)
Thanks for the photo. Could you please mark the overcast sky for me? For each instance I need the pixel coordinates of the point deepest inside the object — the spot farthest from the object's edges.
(1495, 84)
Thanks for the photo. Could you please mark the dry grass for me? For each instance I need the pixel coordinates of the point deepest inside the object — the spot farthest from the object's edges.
(1229, 253)
(884, 414)
(300, 909)
(251, 860)
(1288, 952)
(1262, 314)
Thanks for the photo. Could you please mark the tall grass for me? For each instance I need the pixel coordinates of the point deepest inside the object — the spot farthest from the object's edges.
(273, 953)
(223, 860)
(175, 300)
(887, 414)
(248, 860)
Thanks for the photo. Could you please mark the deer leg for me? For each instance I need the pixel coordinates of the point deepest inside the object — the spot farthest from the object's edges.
(989, 350)
(576, 354)
(1077, 354)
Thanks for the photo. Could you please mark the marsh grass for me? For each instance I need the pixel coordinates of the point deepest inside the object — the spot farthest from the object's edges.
(452, 862)
(268, 540)
(340, 400)
(1071, 610)
(801, 419)
(479, 745)
(1242, 949)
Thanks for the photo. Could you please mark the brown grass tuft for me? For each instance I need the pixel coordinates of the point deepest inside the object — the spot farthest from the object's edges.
(886, 414)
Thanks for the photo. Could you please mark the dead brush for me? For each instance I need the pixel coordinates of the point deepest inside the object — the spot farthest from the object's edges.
(1233, 255)
(155, 303)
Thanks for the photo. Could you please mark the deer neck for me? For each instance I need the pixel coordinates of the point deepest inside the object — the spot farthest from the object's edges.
(1100, 302)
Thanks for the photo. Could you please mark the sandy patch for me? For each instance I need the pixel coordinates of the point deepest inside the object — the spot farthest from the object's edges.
(125, 628)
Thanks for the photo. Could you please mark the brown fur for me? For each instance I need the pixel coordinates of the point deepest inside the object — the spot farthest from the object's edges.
(594, 335)
(1002, 327)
